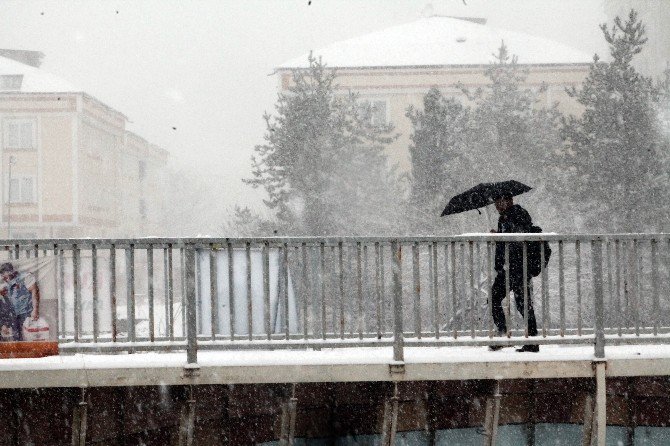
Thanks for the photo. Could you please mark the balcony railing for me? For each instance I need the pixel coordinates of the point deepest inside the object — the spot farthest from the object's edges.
(270, 293)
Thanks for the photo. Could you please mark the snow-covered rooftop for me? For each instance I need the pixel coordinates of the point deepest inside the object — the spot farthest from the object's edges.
(440, 41)
(34, 79)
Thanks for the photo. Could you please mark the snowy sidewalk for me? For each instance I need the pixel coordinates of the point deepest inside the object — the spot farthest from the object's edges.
(334, 365)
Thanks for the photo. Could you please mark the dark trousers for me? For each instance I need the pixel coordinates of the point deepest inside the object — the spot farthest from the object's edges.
(18, 326)
(498, 294)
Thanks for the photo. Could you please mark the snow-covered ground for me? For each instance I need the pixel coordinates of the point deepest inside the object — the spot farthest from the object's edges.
(328, 365)
(335, 356)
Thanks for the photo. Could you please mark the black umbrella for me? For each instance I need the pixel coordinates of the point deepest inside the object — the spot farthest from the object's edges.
(482, 195)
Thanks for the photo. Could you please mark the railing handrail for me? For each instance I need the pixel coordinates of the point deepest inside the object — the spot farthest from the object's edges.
(310, 251)
(328, 240)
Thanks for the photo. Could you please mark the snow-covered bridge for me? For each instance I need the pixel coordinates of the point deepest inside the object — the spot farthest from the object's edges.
(254, 294)
(209, 311)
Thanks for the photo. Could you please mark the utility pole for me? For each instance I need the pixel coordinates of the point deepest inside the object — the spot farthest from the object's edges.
(12, 161)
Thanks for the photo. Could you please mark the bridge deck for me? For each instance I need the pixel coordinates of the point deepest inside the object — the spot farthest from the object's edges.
(328, 365)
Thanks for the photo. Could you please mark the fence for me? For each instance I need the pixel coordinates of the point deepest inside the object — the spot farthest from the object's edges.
(266, 293)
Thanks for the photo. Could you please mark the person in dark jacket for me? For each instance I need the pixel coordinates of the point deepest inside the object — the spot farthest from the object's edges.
(513, 218)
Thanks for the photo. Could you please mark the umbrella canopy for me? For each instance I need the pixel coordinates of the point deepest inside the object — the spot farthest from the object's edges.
(482, 195)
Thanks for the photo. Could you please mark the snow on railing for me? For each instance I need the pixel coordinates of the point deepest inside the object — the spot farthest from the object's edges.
(167, 294)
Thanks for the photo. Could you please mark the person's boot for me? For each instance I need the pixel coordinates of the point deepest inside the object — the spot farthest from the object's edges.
(495, 348)
(529, 348)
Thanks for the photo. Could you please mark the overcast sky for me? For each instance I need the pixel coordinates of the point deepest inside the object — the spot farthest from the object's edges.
(205, 67)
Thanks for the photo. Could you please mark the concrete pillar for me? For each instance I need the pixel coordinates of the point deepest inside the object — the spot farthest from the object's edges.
(589, 421)
(390, 420)
(601, 402)
(288, 417)
(79, 421)
(492, 416)
(187, 421)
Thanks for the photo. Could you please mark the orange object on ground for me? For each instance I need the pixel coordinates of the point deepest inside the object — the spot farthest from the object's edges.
(33, 349)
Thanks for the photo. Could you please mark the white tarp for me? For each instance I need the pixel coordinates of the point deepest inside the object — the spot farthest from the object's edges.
(240, 304)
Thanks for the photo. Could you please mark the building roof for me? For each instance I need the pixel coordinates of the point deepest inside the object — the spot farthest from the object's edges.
(440, 41)
(28, 57)
(34, 79)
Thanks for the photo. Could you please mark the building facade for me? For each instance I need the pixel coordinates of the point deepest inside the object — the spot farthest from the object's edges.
(69, 166)
(394, 68)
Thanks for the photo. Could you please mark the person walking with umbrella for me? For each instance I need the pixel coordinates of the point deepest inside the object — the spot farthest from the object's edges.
(513, 219)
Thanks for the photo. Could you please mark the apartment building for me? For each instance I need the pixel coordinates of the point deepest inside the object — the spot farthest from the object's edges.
(394, 68)
(70, 168)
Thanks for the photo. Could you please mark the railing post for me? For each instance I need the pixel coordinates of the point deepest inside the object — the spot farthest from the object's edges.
(94, 284)
(599, 306)
(130, 292)
(398, 332)
(76, 284)
(191, 321)
(601, 395)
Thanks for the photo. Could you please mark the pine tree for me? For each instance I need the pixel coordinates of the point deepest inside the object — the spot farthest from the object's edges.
(505, 134)
(664, 102)
(245, 222)
(513, 135)
(613, 147)
(322, 163)
(437, 149)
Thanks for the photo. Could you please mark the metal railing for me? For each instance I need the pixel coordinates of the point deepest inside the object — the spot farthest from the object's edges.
(266, 293)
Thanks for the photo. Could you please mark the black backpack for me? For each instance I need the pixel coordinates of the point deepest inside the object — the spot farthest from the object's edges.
(535, 261)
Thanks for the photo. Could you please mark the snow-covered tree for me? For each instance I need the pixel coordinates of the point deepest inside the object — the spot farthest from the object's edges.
(437, 151)
(614, 147)
(245, 222)
(513, 136)
(189, 210)
(504, 134)
(664, 102)
(322, 163)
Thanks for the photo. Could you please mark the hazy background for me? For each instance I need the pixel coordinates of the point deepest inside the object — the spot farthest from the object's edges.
(205, 67)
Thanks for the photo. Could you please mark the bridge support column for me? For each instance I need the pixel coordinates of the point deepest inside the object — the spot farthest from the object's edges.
(589, 422)
(492, 416)
(601, 402)
(390, 420)
(289, 411)
(187, 421)
(79, 421)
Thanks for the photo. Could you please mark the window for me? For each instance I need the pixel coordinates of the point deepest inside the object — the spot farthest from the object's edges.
(21, 189)
(20, 134)
(11, 81)
(375, 111)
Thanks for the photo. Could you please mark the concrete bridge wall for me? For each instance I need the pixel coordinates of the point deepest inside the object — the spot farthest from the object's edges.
(251, 413)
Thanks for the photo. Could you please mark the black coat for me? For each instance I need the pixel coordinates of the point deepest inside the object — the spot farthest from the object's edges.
(514, 219)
